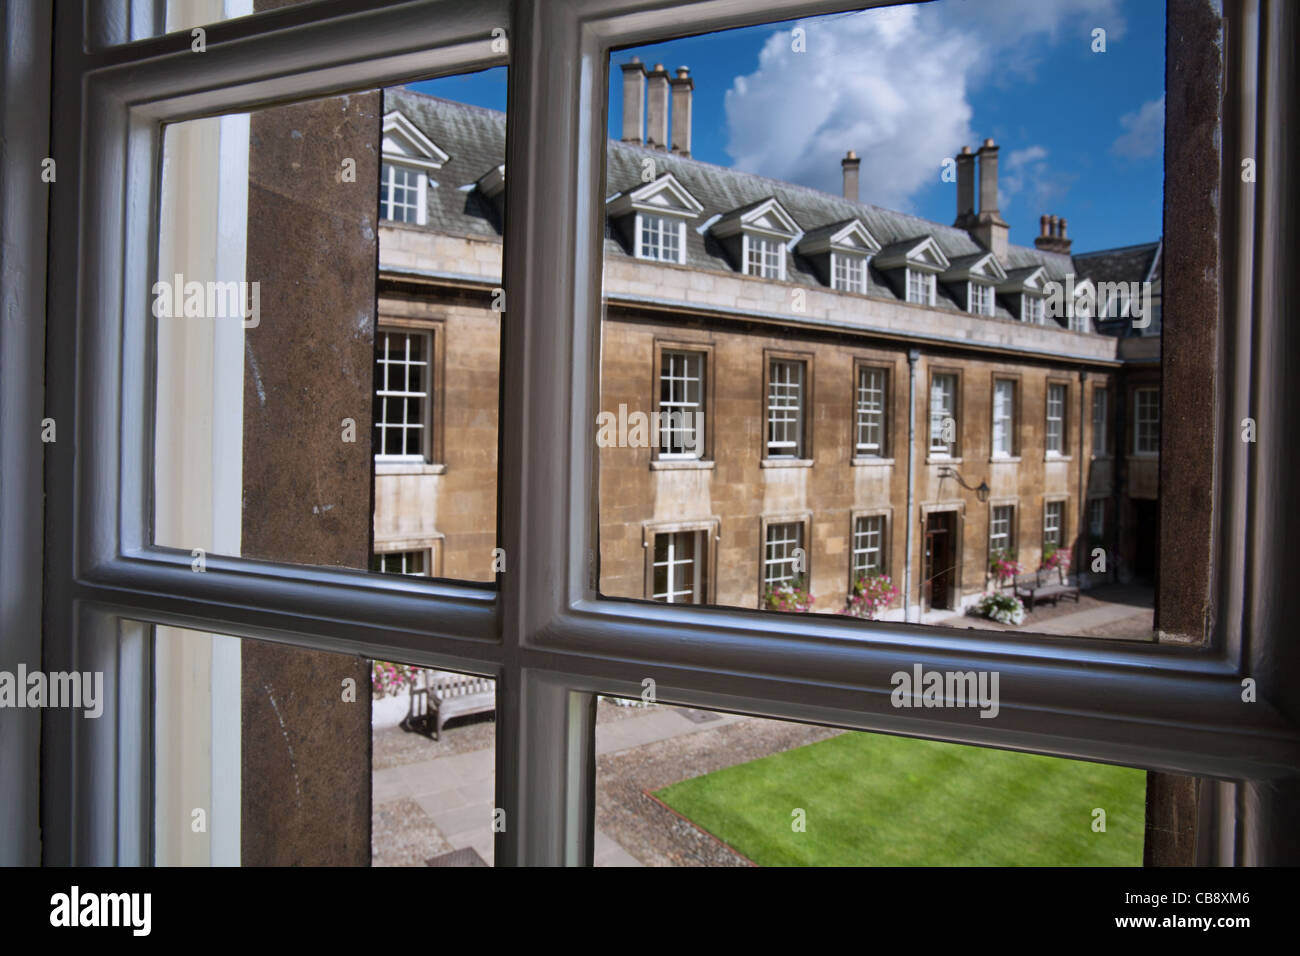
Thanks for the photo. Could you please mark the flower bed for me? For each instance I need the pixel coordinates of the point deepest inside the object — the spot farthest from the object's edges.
(870, 594)
(1004, 608)
(788, 596)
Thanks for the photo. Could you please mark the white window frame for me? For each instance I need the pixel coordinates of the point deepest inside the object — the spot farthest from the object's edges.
(784, 416)
(381, 397)
(1033, 309)
(387, 182)
(1054, 524)
(979, 298)
(848, 272)
(1057, 399)
(920, 286)
(1146, 421)
(777, 536)
(403, 559)
(943, 404)
(1004, 418)
(998, 533)
(697, 561)
(763, 256)
(547, 636)
(689, 404)
(871, 411)
(660, 227)
(868, 546)
(1097, 518)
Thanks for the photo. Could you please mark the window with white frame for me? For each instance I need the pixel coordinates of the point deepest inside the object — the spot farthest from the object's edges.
(661, 238)
(1001, 524)
(780, 562)
(848, 272)
(943, 415)
(681, 404)
(1055, 441)
(920, 287)
(1053, 525)
(1078, 318)
(764, 257)
(1097, 518)
(785, 387)
(979, 298)
(401, 193)
(1004, 411)
(868, 545)
(1146, 421)
(403, 388)
(1100, 421)
(679, 567)
(415, 563)
(1032, 308)
(869, 426)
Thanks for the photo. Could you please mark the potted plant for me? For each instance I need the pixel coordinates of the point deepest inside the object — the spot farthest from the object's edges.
(871, 593)
(997, 606)
(1004, 566)
(788, 596)
(1054, 559)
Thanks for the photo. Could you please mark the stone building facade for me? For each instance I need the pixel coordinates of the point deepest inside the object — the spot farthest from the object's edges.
(793, 384)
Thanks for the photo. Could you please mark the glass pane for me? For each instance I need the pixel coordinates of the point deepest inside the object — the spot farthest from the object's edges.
(365, 402)
(1024, 273)
(680, 786)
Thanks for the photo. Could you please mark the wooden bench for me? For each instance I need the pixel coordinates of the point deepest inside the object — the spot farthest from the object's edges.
(1040, 586)
(442, 696)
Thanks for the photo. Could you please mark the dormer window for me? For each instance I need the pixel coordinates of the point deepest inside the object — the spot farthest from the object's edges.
(660, 238)
(848, 272)
(402, 195)
(840, 253)
(920, 287)
(764, 258)
(651, 219)
(979, 298)
(972, 278)
(408, 156)
(1032, 309)
(756, 236)
(911, 266)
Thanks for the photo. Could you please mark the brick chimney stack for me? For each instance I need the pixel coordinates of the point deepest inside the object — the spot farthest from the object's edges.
(633, 101)
(1052, 237)
(965, 189)
(990, 229)
(682, 85)
(656, 133)
(850, 163)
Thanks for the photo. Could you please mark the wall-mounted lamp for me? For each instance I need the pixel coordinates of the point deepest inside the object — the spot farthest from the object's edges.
(982, 492)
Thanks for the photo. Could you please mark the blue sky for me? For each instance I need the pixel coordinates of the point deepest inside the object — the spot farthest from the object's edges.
(1081, 132)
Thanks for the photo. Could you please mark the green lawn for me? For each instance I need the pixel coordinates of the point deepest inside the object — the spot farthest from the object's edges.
(874, 800)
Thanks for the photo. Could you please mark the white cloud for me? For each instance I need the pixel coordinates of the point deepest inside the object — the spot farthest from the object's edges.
(1144, 131)
(892, 84)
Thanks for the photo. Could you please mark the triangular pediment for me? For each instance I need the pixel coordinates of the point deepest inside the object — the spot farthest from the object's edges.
(919, 252)
(765, 217)
(665, 196)
(404, 142)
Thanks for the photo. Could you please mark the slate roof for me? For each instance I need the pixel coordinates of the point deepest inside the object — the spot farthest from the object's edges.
(475, 140)
(1140, 263)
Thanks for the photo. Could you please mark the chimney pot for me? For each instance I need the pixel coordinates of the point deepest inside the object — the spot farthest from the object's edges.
(1062, 232)
(682, 85)
(851, 164)
(656, 133)
(1055, 227)
(1042, 225)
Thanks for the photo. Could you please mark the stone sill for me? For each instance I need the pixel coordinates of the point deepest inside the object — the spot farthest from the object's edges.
(786, 463)
(681, 464)
(942, 461)
(868, 462)
(408, 468)
(1005, 460)
(1058, 458)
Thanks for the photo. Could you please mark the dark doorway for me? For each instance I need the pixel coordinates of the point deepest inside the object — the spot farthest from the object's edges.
(940, 573)
(1146, 516)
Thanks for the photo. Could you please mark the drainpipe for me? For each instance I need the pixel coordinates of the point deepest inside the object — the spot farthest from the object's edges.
(912, 356)
(1081, 546)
